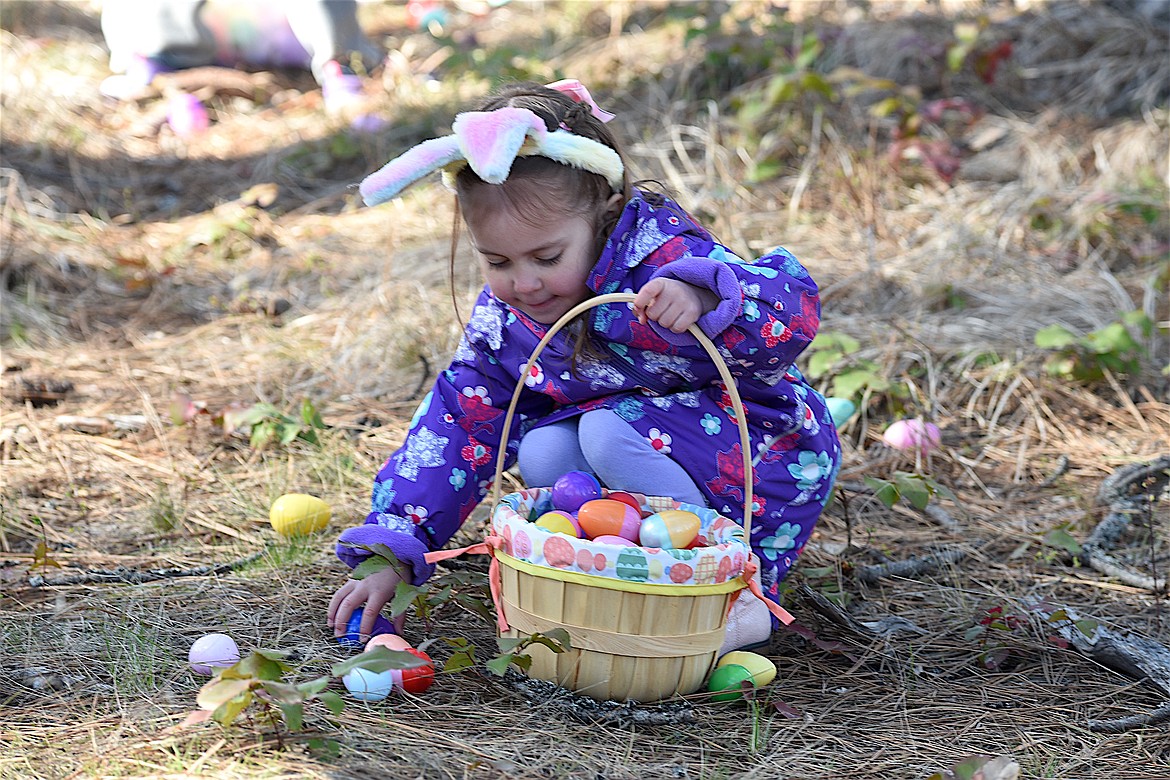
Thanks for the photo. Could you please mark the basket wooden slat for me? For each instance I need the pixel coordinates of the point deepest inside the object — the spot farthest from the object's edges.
(630, 643)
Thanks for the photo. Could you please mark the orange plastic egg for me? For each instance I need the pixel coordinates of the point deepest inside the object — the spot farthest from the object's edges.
(606, 517)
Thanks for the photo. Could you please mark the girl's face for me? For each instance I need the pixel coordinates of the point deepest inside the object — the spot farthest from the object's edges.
(538, 266)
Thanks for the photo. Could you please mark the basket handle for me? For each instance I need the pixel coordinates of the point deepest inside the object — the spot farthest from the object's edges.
(716, 358)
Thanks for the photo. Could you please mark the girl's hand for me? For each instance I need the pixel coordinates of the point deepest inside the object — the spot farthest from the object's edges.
(374, 591)
(673, 304)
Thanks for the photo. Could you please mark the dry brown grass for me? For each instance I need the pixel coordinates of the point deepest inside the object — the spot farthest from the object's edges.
(134, 268)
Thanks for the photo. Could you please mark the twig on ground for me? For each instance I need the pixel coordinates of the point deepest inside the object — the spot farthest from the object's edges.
(911, 567)
(586, 710)
(123, 574)
(1125, 491)
(1140, 720)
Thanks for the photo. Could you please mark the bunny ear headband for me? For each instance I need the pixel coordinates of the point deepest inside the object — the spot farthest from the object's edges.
(490, 141)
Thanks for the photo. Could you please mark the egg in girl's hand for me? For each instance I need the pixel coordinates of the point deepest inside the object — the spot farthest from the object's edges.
(298, 514)
(212, 652)
(559, 522)
(604, 516)
(352, 636)
(369, 686)
(573, 489)
(670, 529)
(912, 434)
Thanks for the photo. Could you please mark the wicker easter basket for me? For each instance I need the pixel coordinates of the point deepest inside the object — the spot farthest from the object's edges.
(631, 641)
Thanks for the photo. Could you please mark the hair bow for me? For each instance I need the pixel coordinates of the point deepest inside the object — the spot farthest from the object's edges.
(579, 93)
(490, 141)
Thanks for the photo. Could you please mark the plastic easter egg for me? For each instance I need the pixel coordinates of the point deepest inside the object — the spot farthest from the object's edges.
(726, 682)
(840, 409)
(620, 541)
(625, 498)
(186, 115)
(212, 652)
(365, 685)
(391, 641)
(559, 522)
(912, 434)
(298, 514)
(604, 516)
(352, 635)
(763, 671)
(418, 679)
(669, 529)
(574, 489)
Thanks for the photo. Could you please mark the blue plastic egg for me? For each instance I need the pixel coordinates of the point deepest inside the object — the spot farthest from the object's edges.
(352, 635)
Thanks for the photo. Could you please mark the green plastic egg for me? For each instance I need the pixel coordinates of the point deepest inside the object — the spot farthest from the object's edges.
(729, 680)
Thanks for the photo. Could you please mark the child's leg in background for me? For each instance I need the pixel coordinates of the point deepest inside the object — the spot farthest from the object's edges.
(548, 452)
(624, 460)
(329, 30)
(168, 34)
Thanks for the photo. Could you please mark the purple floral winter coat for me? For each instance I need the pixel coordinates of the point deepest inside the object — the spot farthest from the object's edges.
(663, 384)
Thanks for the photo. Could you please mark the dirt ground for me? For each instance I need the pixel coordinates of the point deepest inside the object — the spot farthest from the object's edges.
(953, 198)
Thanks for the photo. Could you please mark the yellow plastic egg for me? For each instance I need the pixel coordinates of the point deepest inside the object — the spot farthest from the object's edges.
(298, 514)
(559, 523)
(763, 671)
(669, 529)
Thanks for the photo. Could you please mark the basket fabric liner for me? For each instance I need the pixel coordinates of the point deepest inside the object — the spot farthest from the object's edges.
(722, 556)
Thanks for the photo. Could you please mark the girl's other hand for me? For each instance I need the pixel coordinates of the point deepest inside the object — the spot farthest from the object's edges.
(375, 591)
(673, 304)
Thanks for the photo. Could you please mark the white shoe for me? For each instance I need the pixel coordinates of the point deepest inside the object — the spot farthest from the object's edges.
(749, 623)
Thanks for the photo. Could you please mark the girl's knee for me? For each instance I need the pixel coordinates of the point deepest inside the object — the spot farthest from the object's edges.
(548, 452)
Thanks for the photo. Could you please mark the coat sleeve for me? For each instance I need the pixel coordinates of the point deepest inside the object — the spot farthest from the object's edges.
(428, 487)
(769, 308)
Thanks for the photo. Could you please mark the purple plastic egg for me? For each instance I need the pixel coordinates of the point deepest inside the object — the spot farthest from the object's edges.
(574, 489)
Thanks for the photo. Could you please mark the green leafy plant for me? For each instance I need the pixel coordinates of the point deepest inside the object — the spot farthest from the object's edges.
(257, 685)
(914, 489)
(512, 649)
(1115, 348)
(1058, 541)
(266, 424)
(993, 626)
(834, 354)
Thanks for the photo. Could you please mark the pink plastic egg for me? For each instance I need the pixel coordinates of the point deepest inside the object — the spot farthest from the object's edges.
(912, 434)
(604, 516)
(669, 529)
(392, 641)
(620, 541)
(559, 522)
(574, 489)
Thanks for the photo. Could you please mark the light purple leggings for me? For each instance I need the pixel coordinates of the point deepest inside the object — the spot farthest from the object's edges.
(603, 444)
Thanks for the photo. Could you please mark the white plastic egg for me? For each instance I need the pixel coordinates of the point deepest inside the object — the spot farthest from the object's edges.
(212, 652)
(365, 685)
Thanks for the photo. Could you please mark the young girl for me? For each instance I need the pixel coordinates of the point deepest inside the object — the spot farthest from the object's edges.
(630, 397)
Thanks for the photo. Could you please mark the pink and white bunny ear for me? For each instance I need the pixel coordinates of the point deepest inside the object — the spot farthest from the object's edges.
(409, 167)
(579, 93)
(490, 140)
